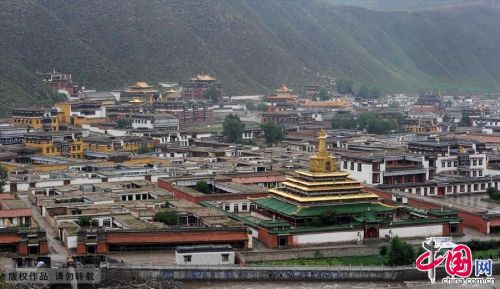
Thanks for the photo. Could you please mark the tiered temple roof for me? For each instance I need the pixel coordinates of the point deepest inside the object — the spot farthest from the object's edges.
(321, 188)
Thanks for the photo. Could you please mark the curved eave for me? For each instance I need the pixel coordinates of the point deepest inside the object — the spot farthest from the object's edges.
(322, 175)
(363, 196)
(330, 188)
(322, 183)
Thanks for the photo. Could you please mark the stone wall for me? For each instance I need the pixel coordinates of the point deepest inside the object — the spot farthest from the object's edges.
(126, 275)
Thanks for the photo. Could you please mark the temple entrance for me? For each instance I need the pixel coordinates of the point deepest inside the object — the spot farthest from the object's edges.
(282, 242)
(441, 191)
(371, 233)
(91, 249)
(33, 250)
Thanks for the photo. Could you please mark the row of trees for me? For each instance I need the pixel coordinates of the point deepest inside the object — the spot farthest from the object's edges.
(233, 128)
(213, 94)
(369, 121)
(368, 92)
(260, 106)
(346, 86)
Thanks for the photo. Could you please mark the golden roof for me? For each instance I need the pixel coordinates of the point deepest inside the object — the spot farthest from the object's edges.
(324, 180)
(283, 89)
(136, 100)
(142, 85)
(290, 97)
(322, 174)
(346, 181)
(204, 77)
(331, 103)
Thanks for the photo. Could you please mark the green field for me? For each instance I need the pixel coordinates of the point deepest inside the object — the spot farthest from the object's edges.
(360, 260)
(486, 254)
(251, 46)
(351, 260)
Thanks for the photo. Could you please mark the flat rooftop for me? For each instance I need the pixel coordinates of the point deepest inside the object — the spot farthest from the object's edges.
(479, 201)
(132, 222)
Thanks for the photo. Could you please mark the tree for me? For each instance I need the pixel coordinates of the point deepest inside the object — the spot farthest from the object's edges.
(4, 174)
(378, 124)
(273, 133)
(447, 118)
(374, 92)
(86, 221)
(213, 94)
(383, 250)
(144, 149)
(369, 121)
(344, 86)
(493, 193)
(202, 187)
(167, 218)
(400, 253)
(261, 106)
(124, 123)
(250, 106)
(465, 120)
(363, 92)
(368, 92)
(232, 128)
(322, 94)
(344, 121)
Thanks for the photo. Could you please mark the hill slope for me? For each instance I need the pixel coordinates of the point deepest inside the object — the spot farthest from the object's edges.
(252, 46)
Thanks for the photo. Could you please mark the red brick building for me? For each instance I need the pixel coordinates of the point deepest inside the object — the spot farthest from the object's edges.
(98, 241)
(24, 242)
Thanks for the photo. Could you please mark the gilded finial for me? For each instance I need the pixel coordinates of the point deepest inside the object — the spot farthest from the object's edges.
(322, 162)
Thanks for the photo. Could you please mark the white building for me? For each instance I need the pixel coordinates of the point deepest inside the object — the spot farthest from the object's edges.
(205, 255)
(155, 121)
(376, 170)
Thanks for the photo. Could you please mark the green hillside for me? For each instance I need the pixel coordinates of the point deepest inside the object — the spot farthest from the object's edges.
(252, 46)
(404, 5)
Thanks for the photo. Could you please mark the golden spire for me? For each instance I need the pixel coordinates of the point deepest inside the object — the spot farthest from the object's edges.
(322, 151)
(322, 162)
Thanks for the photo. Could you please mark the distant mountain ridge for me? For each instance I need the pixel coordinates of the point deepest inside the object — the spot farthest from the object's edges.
(252, 46)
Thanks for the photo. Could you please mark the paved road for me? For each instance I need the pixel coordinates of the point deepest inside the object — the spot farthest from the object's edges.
(58, 252)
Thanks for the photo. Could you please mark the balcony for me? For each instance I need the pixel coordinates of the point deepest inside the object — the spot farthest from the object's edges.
(405, 170)
(403, 167)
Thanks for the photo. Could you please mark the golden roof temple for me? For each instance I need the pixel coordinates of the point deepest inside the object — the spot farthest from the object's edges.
(310, 193)
(139, 91)
(203, 77)
(283, 94)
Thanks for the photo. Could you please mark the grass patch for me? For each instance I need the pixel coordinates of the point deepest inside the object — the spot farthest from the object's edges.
(486, 254)
(491, 200)
(350, 260)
